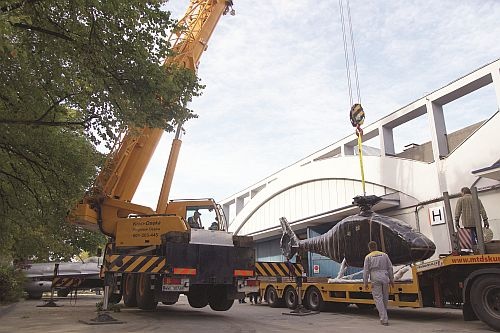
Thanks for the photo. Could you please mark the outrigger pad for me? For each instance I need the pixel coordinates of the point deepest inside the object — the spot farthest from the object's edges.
(300, 311)
(103, 318)
(49, 304)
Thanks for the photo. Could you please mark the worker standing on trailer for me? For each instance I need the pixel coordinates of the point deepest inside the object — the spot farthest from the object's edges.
(378, 267)
(464, 209)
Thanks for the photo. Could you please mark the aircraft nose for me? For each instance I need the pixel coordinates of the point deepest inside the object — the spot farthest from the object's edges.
(422, 248)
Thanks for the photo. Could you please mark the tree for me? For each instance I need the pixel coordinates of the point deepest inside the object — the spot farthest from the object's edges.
(72, 73)
(43, 170)
(100, 61)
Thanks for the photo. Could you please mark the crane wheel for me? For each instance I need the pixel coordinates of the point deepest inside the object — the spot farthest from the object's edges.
(291, 298)
(129, 290)
(485, 299)
(197, 297)
(217, 299)
(114, 298)
(272, 298)
(144, 293)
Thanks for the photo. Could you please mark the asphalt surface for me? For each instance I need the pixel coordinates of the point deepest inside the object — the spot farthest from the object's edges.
(25, 316)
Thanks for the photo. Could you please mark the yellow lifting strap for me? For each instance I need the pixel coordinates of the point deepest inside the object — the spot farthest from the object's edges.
(357, 117)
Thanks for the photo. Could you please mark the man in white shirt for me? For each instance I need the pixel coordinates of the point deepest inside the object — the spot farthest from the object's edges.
(378, 267)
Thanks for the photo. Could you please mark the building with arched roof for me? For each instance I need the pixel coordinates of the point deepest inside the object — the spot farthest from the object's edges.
(316, 192)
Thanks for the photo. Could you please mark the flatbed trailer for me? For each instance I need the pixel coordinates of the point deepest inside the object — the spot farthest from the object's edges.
(469, 281)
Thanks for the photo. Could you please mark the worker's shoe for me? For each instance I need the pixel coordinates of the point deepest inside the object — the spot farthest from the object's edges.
(384, 323)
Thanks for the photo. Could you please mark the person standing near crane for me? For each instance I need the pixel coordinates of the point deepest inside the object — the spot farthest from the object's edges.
(378, 267)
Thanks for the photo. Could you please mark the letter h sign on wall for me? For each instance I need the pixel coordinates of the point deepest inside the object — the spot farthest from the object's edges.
(436, 215)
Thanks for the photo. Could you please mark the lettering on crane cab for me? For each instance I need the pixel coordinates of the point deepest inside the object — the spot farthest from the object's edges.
(145, 229)
(141, 223)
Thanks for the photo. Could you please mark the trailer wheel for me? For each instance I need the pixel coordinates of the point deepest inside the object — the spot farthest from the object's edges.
(337, 306)
(197, 297)
(63, 292)
(364, 306)
(272, 298)
(145, 296)
(217, 299)
(314, 300)
(291, 298)
(485, 299)
(129, 290)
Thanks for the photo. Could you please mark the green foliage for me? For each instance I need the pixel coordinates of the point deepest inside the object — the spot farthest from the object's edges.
(11, 284)
(43, 171)
(73, 74)
(92, 64)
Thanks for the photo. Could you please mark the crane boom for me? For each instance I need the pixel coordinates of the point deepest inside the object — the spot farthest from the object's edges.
(109, 199)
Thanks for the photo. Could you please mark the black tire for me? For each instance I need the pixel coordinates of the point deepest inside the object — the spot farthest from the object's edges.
(485, 299)
(197, 297)
(145, 296)
(217, 299)
(336, 307)
(363, 306)
(291, 298)
(35, 295)
(114, 298)
(272, 298)
(129, 284)
(314, 299)
(63, 292)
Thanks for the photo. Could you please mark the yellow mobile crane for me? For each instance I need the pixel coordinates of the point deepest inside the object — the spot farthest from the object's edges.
(155, 255)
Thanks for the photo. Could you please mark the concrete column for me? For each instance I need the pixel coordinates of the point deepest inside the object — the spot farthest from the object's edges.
(240, 202)
(495, 75)
(347, 150)
(226, 208)
(386, 141)
(439, 141)
(438, 130)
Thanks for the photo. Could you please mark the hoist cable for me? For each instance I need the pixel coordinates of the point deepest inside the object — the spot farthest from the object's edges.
(357, 114)
(353, 49)
(346, 52)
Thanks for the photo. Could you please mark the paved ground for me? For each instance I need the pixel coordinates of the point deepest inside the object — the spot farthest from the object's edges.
(27, 317)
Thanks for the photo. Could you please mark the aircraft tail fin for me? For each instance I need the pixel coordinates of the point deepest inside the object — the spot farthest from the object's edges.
(289, 241)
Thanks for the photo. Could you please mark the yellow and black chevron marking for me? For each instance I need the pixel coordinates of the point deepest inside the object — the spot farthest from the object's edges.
(67, 282)
(278, 269)
(134, 264)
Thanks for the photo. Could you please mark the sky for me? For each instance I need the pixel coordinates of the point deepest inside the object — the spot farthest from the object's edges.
(276, 88)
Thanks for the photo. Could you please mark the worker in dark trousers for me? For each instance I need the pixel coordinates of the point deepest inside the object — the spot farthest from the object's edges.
(464, 209)
(378, 267)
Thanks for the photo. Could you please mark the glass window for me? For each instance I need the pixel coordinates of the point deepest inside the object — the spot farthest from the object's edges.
(201, 217)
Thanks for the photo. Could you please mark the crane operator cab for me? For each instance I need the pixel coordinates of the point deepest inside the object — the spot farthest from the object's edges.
(205, 219)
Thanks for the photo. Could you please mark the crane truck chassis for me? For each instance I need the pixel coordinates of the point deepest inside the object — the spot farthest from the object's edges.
(208, 266)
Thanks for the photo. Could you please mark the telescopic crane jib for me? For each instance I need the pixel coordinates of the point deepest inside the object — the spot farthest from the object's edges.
(109, 200)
